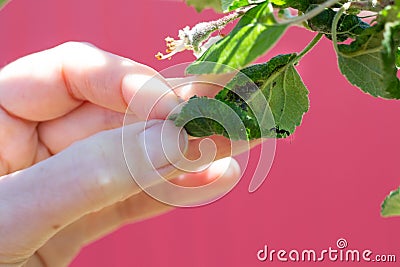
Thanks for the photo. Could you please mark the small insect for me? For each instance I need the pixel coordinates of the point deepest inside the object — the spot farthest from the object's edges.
(280, 133)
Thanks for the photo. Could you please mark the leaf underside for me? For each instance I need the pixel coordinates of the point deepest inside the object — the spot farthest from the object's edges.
(391, 204)
(269, 100)
(229, 5)
(369, 62)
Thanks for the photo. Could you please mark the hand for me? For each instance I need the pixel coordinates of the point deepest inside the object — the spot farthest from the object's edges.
(64, 181)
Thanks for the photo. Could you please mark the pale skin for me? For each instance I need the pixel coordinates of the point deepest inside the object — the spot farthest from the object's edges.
(61, 112)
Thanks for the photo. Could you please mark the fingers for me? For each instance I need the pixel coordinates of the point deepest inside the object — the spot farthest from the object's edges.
(89, 118)
(49, 84)
(201, 152)
(79, 124)
(63, 247)
(18, 142)
(91, 174)
(200, 188)
(203, 85)
(208, 85)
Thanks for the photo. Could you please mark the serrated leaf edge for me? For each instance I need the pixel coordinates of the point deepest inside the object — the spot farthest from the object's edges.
(385, 203)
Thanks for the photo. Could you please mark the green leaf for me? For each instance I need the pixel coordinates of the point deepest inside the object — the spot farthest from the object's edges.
(254, 34)
(390, 44)
(229, 5)
(199, 5)
(301, 5)
(204, 116)
(391, 204)
(349, 26)
(369, 62)
(390, 13)
(392, 40)
(270, 100)
(2, 3)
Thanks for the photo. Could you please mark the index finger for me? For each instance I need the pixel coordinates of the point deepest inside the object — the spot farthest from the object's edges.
(51, 83)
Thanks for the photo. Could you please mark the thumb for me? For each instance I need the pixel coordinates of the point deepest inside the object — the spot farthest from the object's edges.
(91, 174)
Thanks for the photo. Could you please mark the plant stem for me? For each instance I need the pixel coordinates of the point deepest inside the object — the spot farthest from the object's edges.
(335, 24)
(309, 47)
(203, 30)
(311, 14)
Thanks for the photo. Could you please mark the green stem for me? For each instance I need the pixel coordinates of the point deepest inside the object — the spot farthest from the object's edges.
(311, 14)
(309, 47)
(334, 26)
(361, 52)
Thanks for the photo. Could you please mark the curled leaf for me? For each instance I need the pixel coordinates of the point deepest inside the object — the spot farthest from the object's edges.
(269, 99)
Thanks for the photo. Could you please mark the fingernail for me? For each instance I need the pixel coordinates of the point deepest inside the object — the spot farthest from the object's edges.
(151, 97)
(222, 166)
(164, 144)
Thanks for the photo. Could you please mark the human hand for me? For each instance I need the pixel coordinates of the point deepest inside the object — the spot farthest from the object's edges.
(64, 181)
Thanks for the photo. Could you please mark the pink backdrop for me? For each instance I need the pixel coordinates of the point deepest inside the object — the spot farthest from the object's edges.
(326, 183)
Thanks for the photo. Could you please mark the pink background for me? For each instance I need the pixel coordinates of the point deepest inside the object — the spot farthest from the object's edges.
(326, 183)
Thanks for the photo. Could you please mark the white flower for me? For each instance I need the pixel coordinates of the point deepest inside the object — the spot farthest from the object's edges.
(188, 40)
(176, 46)
(195, 38)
